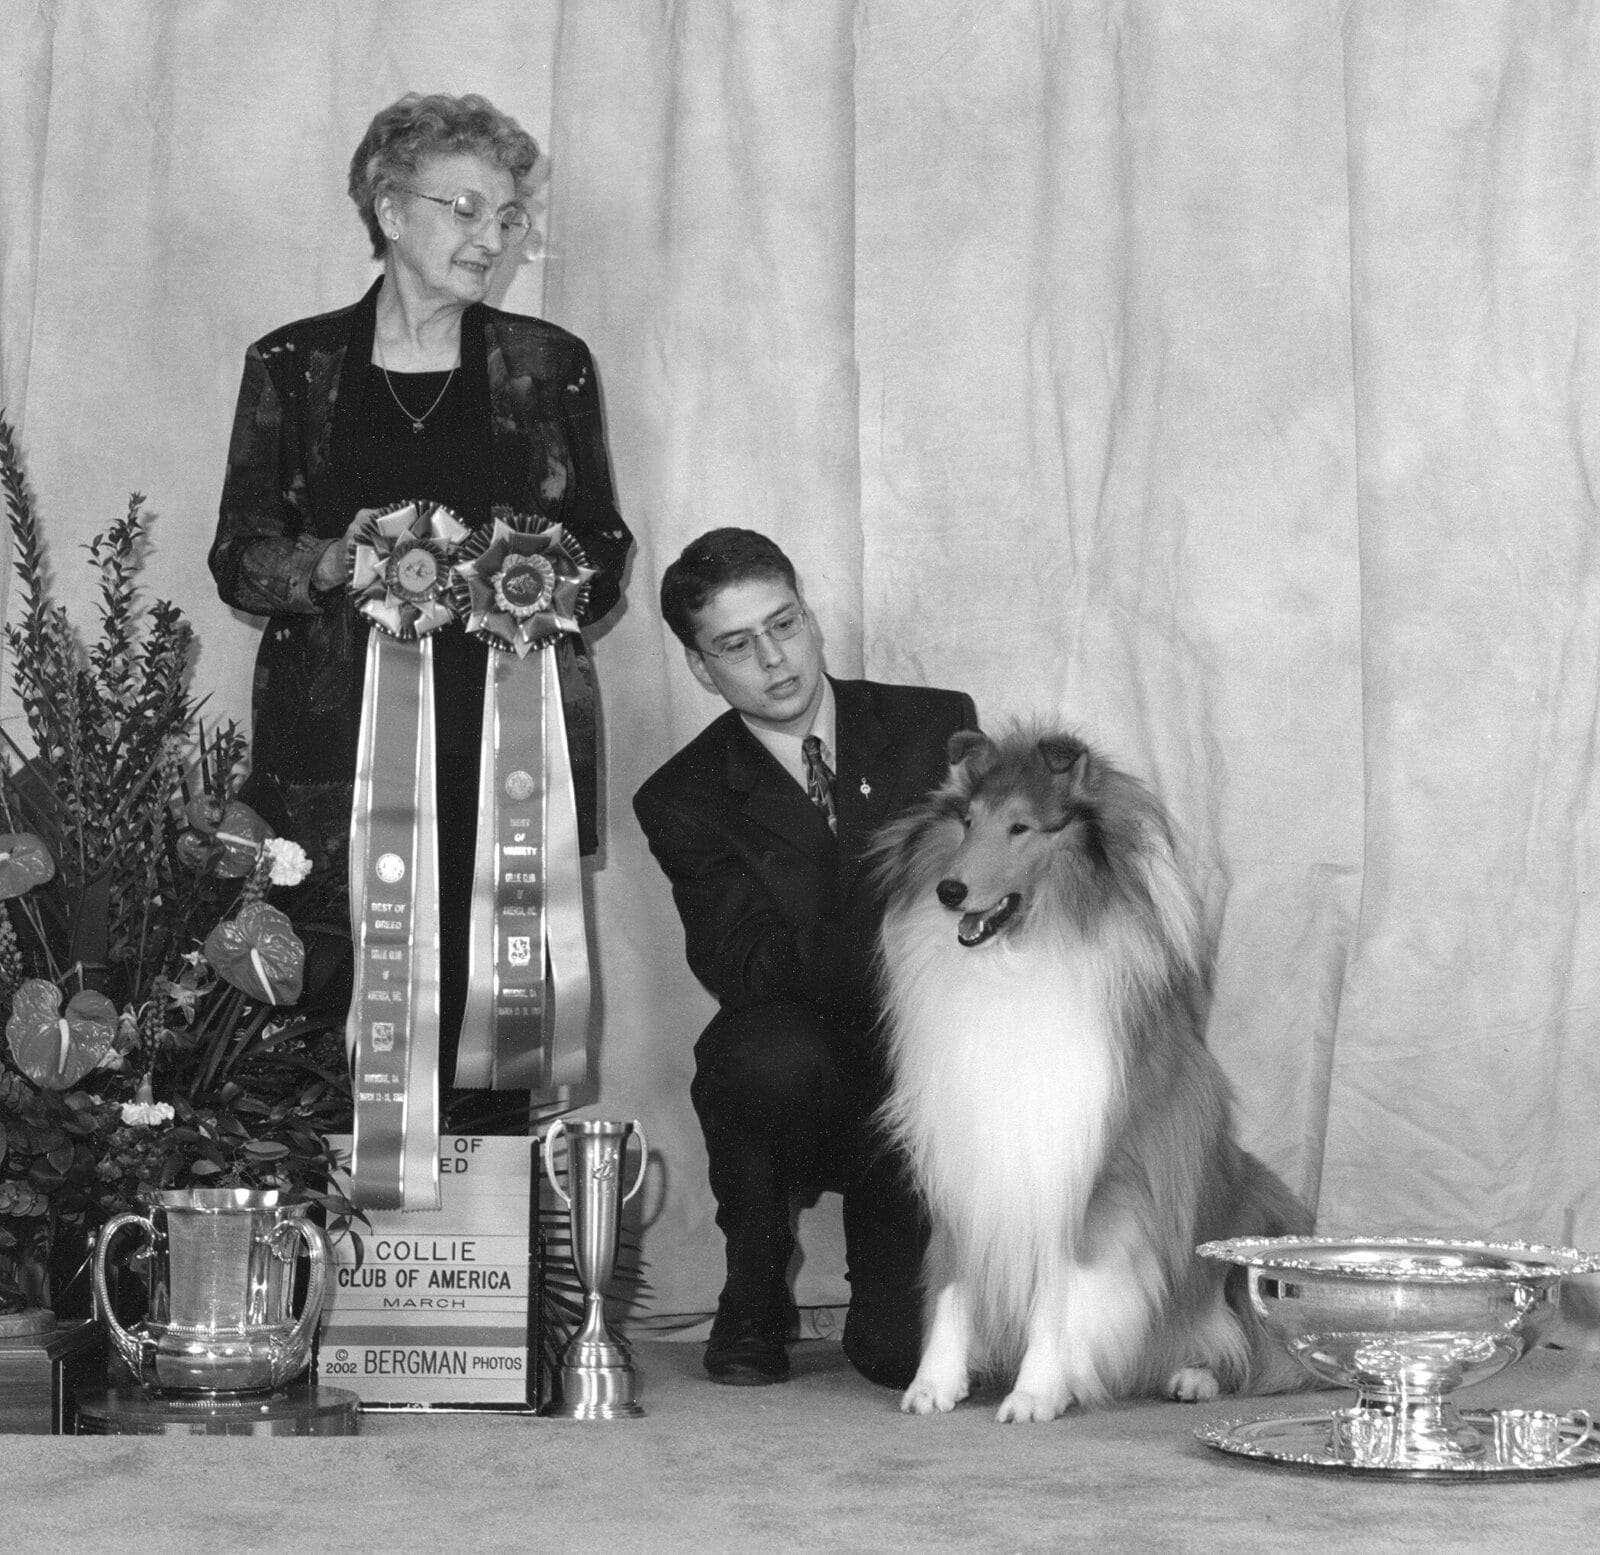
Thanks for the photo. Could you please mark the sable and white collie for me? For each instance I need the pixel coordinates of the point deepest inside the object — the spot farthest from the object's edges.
(1047, 986)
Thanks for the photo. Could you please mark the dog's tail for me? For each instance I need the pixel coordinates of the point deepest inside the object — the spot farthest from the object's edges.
(1267, 1207)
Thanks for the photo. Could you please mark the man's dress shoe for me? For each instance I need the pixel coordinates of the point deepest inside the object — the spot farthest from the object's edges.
(743, 1353)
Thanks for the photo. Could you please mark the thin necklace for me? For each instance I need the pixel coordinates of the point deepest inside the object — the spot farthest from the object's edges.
(415, 420)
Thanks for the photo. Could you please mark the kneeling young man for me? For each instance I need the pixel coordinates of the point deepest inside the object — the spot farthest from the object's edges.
(760, 823)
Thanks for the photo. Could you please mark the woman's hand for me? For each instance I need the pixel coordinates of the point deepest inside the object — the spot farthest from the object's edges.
(333, 569)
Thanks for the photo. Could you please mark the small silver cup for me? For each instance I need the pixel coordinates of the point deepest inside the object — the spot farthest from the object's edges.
(1413, 1433)
(1366, 1437)
(1538, 1438)
(598, 1381)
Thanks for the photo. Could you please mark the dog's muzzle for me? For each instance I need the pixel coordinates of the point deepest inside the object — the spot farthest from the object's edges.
(976, 927)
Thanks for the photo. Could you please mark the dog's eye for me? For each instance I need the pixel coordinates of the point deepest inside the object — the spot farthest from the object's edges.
(1018, 827)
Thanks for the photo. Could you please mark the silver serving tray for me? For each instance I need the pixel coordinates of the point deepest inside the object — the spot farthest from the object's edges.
(1302, 1441)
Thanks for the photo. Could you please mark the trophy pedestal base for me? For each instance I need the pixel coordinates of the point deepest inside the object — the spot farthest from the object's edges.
(311, 1411)
(596, 1393)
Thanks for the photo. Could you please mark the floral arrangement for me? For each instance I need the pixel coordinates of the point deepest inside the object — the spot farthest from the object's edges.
(173, 977)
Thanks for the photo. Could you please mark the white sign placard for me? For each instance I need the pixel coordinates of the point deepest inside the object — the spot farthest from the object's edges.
(438, 1312)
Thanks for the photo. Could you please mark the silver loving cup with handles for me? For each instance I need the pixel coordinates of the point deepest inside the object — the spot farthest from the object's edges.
(222, 1264)
(1540, 1439)
(597, 1381)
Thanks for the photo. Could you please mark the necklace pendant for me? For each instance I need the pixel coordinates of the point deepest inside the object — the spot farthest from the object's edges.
(416, 426)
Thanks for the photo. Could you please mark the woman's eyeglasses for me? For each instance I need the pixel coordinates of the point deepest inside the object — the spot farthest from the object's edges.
(473, 212)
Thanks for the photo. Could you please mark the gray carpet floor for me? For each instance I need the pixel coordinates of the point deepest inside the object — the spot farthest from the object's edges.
(824, 1463)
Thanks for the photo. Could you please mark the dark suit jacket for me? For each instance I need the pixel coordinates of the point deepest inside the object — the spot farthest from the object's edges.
(773, 907)
(287, 493)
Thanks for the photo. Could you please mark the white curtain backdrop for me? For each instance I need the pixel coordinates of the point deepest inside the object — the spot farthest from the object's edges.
(1216, 377)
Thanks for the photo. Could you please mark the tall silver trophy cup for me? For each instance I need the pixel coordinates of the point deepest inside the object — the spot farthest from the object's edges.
(597, 1376)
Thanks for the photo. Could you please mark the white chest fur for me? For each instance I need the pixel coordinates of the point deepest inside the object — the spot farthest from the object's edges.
(1007, 1082)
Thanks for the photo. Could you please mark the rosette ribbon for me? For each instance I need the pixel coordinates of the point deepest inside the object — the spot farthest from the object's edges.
(519, 587)
(399, 579)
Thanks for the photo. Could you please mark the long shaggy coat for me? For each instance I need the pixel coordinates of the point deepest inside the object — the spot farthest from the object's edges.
(1047, 983)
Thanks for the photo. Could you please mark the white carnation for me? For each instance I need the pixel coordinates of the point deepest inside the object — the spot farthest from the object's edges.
(288, 861)
(146, 1112)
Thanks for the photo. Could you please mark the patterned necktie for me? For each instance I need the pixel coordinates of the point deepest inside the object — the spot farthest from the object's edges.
(819, 780)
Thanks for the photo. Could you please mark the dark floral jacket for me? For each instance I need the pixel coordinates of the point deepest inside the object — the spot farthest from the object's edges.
(285, 501)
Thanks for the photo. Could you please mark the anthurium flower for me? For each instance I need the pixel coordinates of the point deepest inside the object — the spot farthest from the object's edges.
(259, 952)
(204, 812)
(53, 1049)
(194, 848)
(240, 835)
(24, 863)
(225, 838)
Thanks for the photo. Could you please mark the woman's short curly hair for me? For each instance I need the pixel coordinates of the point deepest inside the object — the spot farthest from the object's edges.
(407, 133)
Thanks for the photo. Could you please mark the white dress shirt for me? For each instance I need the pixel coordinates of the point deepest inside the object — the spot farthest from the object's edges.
(786, 747)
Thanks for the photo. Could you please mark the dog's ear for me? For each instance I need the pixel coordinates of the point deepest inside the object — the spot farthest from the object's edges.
(968, 745)
(1065, 756)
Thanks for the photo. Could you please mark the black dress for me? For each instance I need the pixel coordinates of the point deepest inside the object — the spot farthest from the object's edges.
(447, 462)
(318, 436)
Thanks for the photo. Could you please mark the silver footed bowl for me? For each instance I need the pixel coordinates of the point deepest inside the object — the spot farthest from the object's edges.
(1405, 1321)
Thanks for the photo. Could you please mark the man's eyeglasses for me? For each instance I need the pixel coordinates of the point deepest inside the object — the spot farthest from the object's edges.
(738, 646)
(473, 212)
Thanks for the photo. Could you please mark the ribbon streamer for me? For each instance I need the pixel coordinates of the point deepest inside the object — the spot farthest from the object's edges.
(399, 580)
(520, 588)
(566, 942)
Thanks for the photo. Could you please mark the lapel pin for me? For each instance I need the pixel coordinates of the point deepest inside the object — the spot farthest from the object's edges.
(866, 789)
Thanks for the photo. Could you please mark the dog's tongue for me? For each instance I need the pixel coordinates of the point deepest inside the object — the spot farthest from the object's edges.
(975, 927)
(971, 930)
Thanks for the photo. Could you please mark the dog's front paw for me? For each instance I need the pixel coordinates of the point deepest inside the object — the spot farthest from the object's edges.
(933, 1395)
(1020, 1406)
(1193, 1384)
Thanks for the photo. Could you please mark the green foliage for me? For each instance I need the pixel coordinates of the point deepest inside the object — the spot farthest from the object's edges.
(120, 775)
(112, 730)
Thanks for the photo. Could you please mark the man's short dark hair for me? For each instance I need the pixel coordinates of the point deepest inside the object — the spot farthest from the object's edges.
(719, 557)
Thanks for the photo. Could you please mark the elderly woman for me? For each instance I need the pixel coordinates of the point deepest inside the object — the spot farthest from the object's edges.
(420, 389)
